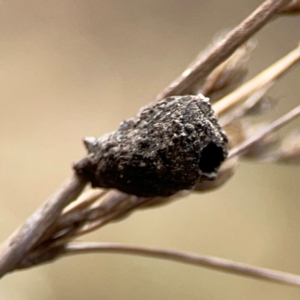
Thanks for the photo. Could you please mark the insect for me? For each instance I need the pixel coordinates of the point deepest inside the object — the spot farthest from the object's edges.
(167, 147)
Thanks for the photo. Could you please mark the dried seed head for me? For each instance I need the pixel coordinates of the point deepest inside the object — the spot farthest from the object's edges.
(264, 105)
(230, 74)
(289, 152)
(235, 132)
(259, 149)
(167, 147)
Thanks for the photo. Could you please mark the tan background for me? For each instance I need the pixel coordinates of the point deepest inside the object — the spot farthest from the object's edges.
(74, 68)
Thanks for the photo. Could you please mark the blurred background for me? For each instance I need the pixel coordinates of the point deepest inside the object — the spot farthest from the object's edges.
(71, 69)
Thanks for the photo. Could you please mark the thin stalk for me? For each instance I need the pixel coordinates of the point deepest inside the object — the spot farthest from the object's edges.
(210, 262)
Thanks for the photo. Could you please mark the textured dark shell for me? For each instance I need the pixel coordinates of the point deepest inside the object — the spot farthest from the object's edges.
(167, 147)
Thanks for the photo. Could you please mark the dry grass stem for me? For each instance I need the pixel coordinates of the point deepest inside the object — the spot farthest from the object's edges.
(73, 212)
(210, 262)
(249, 104)
(292, 8)
(85, 200)
(221, 51)
(228, 75)
(276, 125)
(287, 153)
(268, 75)
(25, 237)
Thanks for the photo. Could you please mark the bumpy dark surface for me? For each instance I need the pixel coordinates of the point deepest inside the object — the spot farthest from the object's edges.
(167, 147)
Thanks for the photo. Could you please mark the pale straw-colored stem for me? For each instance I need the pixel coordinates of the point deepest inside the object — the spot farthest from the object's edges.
(25, 237)
(210, 262)
(222, 50)
(256, 83)
(276, 125)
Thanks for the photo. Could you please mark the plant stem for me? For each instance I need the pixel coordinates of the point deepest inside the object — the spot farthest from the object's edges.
(25, 237)
(287, 118)
(222, 50)
(250, 87)
(187, 258)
